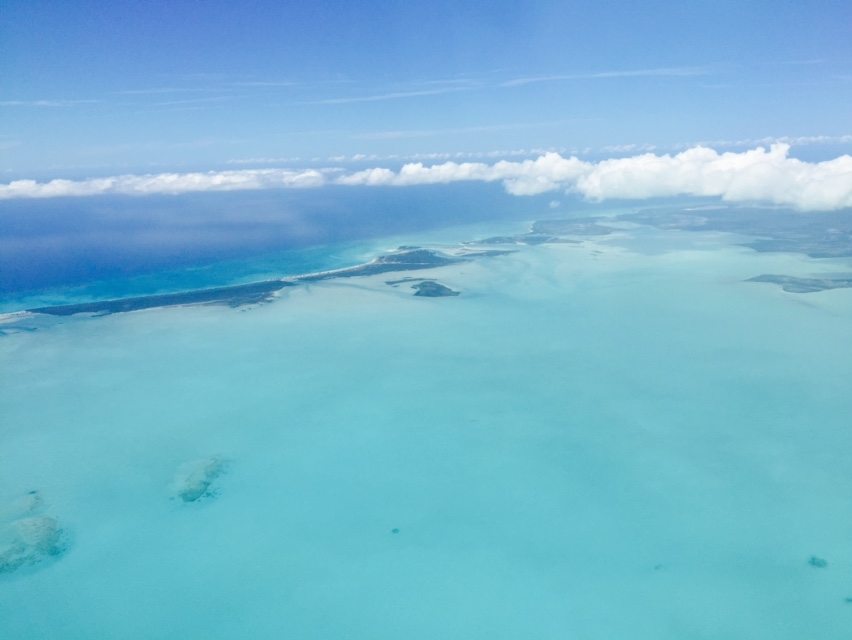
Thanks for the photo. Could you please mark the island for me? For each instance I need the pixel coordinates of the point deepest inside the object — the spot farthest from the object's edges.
(826, 234)
(233, 296)
(432, 289)
(402, 259)
(425, 287)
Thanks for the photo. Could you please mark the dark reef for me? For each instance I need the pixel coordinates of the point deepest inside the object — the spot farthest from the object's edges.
(28, 535)
(793, 284)
(489, 253)
(394, 283)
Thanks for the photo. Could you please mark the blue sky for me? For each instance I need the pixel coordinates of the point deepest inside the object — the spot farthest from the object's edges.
(96, 88)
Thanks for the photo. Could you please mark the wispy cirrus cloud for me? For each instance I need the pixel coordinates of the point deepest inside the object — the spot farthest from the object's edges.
(660, 72)
(454, 85)
(805, 61)
(394, 95)
(48, 104)
(797, 141)
(7, 142)
(192, 101)
(425, 133)
(617, 150)
(264, 83)
(757, 175)
(163, 90)
(216, 83)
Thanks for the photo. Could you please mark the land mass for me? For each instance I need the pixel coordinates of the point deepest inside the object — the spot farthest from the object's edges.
(432, 289)
(233, 296)
(403, 259)
(818, 234)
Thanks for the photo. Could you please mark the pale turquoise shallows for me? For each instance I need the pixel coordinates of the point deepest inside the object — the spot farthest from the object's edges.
(614, 439)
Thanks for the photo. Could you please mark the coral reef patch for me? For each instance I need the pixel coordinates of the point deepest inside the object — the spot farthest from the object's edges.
(195, 479)
(27, 535)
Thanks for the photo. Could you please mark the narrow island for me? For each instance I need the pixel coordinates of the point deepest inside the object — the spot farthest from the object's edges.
(403, 259)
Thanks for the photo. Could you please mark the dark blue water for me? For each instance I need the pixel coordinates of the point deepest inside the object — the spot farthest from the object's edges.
(118, 245)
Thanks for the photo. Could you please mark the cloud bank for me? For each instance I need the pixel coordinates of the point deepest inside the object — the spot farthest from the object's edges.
(762, 175)
(757, 175)
(167, 183)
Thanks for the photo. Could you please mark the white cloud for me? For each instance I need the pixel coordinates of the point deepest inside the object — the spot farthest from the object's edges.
(764, 175)
(166, 183)
(757, 175)
(529, 177)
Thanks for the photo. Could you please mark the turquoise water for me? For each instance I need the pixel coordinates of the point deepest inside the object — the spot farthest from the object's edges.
(613, 439)
(215, 273)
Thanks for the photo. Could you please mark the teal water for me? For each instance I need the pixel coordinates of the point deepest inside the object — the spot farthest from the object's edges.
(263, 266)
(615, 439)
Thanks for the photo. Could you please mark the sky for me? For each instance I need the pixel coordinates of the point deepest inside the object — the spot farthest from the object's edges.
(104, 88)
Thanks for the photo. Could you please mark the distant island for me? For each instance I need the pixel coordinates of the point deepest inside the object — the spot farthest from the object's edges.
(425, 287)
(432, 289)
(818, 235)
(403, 259)
(233, 296)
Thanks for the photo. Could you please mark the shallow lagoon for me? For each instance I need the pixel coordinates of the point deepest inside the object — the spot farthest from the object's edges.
(616, 438)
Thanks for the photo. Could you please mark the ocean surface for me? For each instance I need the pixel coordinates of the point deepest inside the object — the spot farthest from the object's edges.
(615, 436)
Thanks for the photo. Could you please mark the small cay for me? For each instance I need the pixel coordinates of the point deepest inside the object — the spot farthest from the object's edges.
(432, 289)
